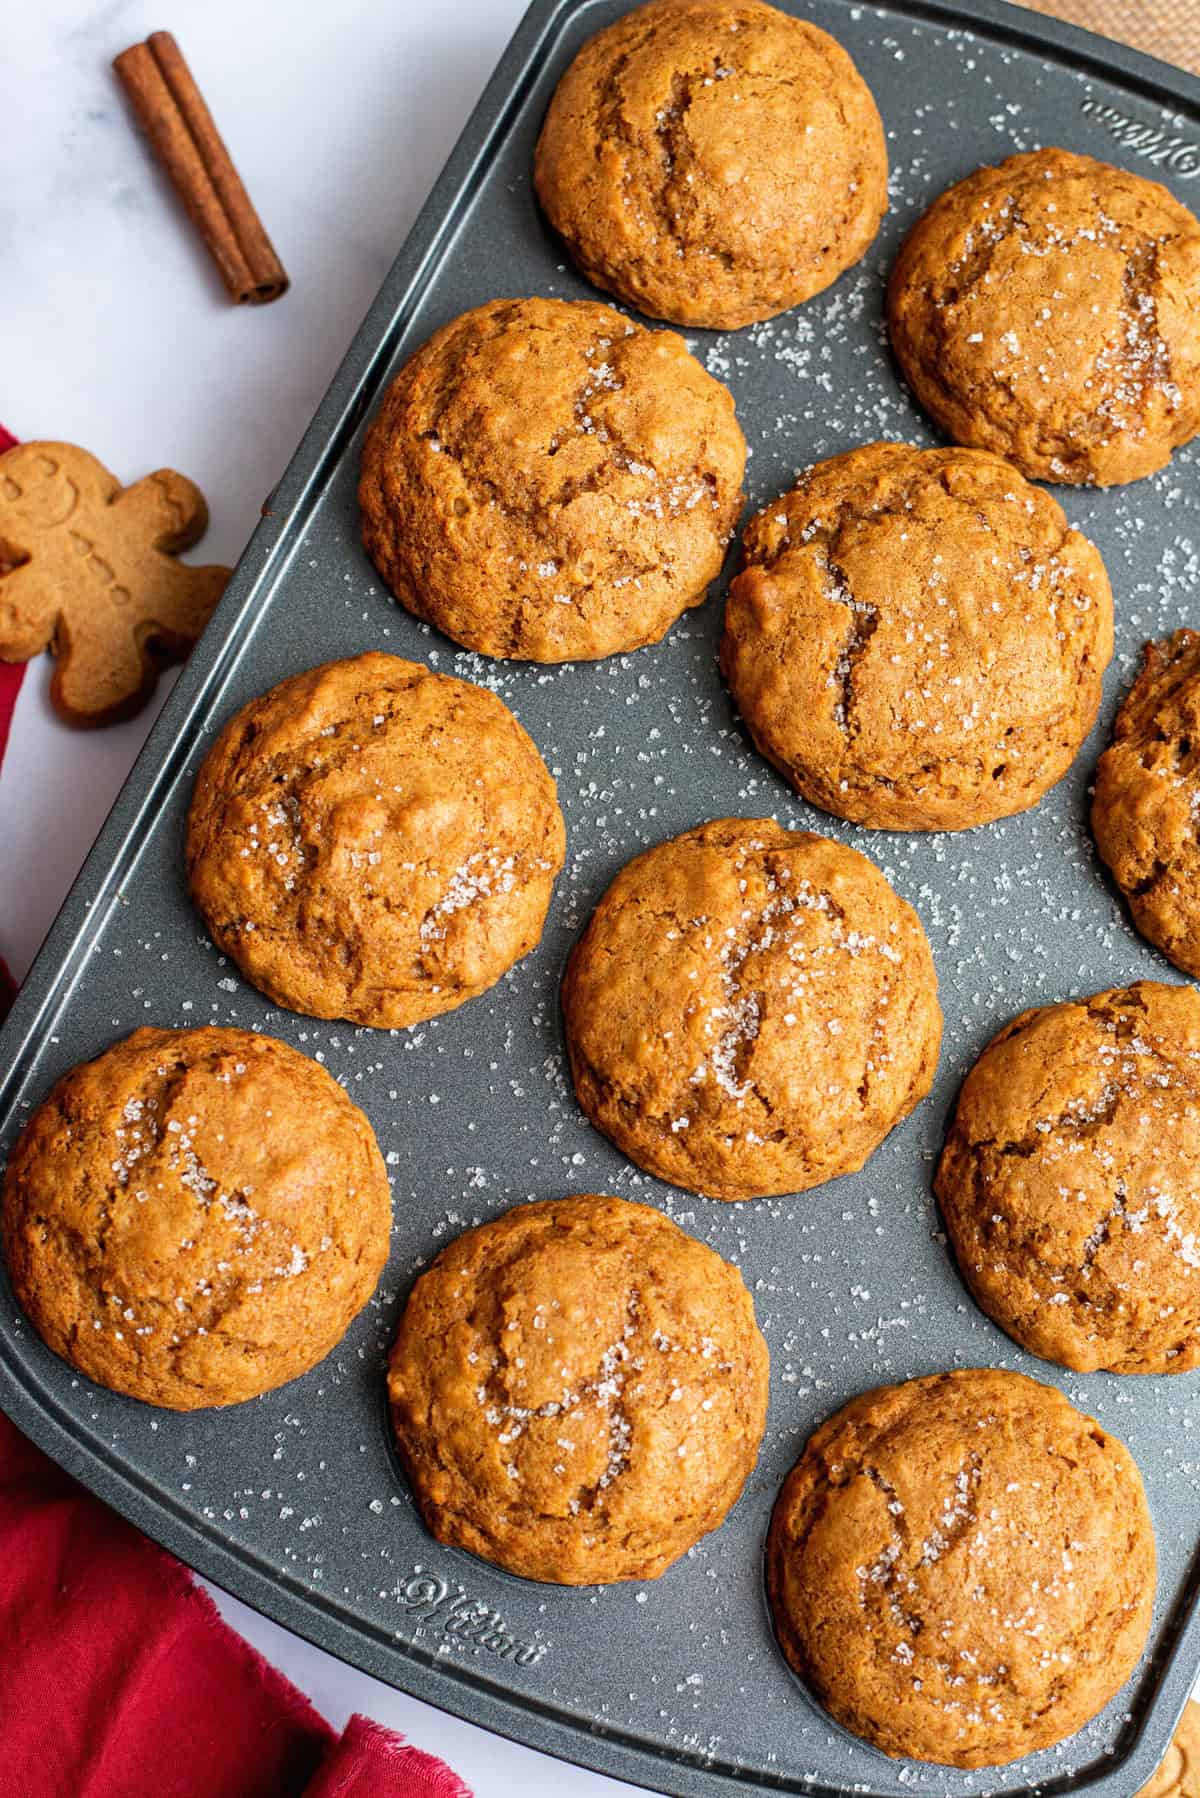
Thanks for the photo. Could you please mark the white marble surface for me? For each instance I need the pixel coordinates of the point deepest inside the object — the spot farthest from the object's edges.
(115, 333)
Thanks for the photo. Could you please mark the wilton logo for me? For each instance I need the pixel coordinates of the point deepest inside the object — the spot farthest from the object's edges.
(1150, 141)
(461, 1618)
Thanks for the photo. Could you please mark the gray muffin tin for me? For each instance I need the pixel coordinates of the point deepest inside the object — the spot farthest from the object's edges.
(294, 1501)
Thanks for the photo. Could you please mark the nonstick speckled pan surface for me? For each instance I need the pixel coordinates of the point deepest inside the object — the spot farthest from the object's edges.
(294, 1501)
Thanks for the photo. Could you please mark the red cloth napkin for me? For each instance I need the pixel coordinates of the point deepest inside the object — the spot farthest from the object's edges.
(118, 1677)
(11, 673)
(11, 676)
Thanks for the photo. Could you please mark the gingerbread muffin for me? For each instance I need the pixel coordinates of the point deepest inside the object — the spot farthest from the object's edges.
(750, 1010)
(196, 1216)
(1049, 310)
(1070, 1180)
(547, 480)
(1148, 796)
(1179, 1775)
(578, 1390)
(374, 842)
(712, 161)
(962, 1568)
(918, 638)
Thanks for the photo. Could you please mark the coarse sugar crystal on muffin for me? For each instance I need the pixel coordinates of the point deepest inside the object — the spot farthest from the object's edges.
(961, 1568)
(1049, 310)
(373, 841)
(578, 1390)
(549, 481)
(713, 161)
(750, 1010)
(918, 637)
(196, 1216)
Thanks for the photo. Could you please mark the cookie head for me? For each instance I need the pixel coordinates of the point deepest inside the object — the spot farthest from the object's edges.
(40, 490)
(1049, 310)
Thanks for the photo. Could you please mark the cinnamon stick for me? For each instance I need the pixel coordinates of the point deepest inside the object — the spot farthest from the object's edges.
(172, 112)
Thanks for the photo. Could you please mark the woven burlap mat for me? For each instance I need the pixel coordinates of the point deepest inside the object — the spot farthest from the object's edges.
(1166, 28)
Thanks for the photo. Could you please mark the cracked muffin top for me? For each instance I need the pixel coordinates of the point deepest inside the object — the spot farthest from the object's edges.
(750, 1010)
(712, 161)
(196, 1216)
(1147, 799)
(1049, 310)
(548, 481)
(578, 1391)
(962, 1568)
(918, 638)
(374, 842)
(1178, 1775)
(1070, 1179)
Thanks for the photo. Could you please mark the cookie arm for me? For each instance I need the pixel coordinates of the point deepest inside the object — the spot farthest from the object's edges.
(28, 611)
(184, 600)
(168, 507)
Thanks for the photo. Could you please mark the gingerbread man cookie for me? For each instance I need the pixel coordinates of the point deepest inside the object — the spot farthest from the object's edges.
(88, 569)
(1179, 1775)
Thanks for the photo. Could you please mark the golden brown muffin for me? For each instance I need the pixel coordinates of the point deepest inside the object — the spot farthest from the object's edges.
(1147, 799)
(962, 1568)
(1179, 1775)
(547, 480)
(712, 161)
(578, 1391)
(374, 842)
(750, 1010)
(1070, 1180)
(1049, 310)
(196, 1216)
(918, 639)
